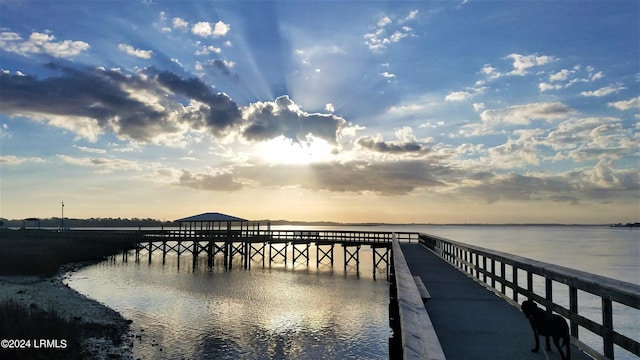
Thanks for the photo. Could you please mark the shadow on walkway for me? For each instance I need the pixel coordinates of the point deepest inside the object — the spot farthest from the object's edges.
(471, 321)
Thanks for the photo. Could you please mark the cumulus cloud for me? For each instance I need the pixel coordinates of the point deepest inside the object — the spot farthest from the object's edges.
(223, 66)
(41, 43)
(521, 65)
(179, 23)
(514, 154)
(268, 120)
(144, 107)
(561, 75)
(329, 107)
(142, 54)
(206, 29)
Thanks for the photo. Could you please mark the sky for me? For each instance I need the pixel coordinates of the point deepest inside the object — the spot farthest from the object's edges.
(349, 111)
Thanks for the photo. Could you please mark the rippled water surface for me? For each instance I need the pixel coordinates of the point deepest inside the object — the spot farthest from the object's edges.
(295, 311)
(291, 312)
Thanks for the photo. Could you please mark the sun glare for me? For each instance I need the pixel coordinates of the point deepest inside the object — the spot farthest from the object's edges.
(285, 151)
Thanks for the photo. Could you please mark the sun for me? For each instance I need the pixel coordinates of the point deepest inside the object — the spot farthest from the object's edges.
(282, 150)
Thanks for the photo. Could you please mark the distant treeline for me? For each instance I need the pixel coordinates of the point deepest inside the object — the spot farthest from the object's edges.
(76, 223)
(55, 222)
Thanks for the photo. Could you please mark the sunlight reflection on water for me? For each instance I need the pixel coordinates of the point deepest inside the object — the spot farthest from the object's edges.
(264, 313)
(294, 312)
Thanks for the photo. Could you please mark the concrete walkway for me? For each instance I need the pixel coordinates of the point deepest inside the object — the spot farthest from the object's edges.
(471, 321)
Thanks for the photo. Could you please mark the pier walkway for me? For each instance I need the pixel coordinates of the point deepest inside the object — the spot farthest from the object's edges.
(471, 321)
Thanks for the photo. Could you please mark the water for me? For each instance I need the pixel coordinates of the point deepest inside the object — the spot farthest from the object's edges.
(300, 312)
(282, 312)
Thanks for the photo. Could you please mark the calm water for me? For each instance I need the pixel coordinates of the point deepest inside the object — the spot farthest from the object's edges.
(298, 312)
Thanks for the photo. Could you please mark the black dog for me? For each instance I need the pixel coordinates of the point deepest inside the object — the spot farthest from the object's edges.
(548, 325)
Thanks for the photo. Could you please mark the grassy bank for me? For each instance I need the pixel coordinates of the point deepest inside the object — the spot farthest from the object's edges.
(32, 324)
(41, 252)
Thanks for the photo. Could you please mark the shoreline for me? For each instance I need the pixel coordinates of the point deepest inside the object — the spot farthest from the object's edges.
(108, 334)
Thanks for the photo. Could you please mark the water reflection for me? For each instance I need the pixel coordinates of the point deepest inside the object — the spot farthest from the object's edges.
(283, 312)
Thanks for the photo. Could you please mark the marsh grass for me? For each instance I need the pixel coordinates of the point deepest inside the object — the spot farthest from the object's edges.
(32, 324)
(41, 252)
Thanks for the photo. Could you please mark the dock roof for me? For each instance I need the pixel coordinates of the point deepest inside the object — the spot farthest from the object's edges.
(211, 217)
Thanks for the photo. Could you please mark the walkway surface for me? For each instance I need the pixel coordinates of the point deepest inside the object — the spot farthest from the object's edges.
(471, 321)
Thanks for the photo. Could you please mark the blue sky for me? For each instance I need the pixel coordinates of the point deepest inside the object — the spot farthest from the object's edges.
(363, 111)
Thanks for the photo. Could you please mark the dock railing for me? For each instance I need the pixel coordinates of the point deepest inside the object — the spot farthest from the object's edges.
(263, 234)
(499, 271)
(414, 335)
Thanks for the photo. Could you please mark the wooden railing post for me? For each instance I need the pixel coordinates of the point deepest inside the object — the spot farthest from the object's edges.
(573, 306)
(608, 290)
(548, 290)
(515, 282)
(607, 327)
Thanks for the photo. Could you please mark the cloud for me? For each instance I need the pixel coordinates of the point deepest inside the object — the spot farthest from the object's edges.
(413, 14)
(154, 106)
(458, 96)
(524, 114)
(626, 104)
(213, 182)
(561, 75)
(205, 29)
(329, 107)
(223, 66)
(603, 91)
(146, 107)
(103, 165)
(179, 23)
(385, 34)
(568, 77)
(521, 65)
(547, 87)
(216, 110)
(17, 160)
(518, 115)
(514, 154)
(91, 150)
(142, 54)
(268, 120)
(521, 187)
(395, 148)
(385, 178)
(206, 50)
(41, 43)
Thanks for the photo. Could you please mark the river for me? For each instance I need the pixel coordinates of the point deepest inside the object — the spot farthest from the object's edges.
(299, 312)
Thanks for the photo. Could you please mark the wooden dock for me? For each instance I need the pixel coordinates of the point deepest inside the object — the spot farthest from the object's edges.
(476, 294)
(471, 294)
(245, 246)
